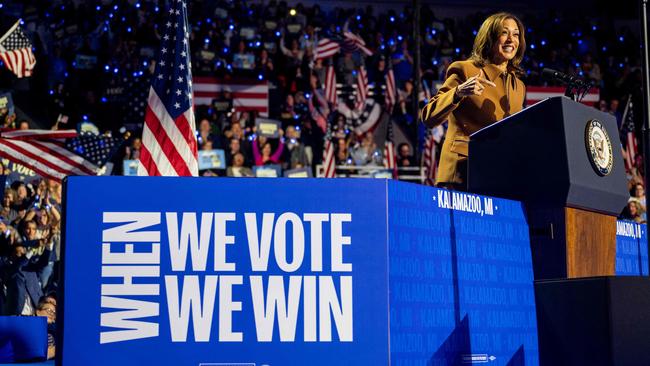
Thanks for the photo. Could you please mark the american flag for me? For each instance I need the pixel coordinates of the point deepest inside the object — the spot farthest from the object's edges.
(535, 94)
(429, 159)
(390, 97)
(631, 147)
(390, 160)
(57, 154)
(329, 162)
(16, 51)
(247, 94)
(330, 85)
(352, 42)
(362, 87)
(169, 145)
(326, 48)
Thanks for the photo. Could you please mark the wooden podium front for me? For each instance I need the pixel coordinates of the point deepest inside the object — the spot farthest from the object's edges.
(572, 243)
(561, 159)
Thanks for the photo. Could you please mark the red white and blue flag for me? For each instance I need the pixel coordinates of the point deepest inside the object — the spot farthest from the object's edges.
(362, 88)
(248, 95)
(390, 95)
(169, 145)
(57, 154)
(429, 159)
(326, 48)
(353, 42)
(330, 85)
(16, 51)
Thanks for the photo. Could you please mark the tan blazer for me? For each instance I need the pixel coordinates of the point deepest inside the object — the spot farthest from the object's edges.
(470, 114)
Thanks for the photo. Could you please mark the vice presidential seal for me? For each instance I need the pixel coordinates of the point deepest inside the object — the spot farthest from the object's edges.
(599, 147)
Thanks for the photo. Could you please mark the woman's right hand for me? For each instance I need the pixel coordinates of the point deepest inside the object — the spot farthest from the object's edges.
(475, 85)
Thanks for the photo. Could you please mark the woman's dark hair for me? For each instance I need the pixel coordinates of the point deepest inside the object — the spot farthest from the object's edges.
(487, 36)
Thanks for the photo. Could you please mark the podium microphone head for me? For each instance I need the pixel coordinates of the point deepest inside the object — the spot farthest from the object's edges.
(550, 73)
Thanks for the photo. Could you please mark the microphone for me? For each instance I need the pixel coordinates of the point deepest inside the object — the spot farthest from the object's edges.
(565, 78)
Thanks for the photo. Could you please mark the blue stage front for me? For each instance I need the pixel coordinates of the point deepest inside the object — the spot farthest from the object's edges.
(184, 271)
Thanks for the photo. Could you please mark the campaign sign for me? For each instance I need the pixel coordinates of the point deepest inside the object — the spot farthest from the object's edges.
(268, 127)
(631, 248)
(130, 167)
(192, 271)
(267, 171)
(461, 279)
(212, 159)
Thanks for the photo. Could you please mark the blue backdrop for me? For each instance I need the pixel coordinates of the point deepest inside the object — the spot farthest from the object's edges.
(363, 200)
(433, 277)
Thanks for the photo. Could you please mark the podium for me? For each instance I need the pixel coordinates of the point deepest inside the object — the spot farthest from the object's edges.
(562, 159)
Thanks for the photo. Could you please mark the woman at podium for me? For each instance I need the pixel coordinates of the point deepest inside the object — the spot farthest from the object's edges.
(478, 92)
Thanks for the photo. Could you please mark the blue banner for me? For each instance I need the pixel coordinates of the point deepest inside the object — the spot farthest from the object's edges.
(189, 271)
(461, 279)
(631, 249)
(183, 271)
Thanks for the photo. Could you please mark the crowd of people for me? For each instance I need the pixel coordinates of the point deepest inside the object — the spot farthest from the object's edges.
(95, 57)
(30, 244)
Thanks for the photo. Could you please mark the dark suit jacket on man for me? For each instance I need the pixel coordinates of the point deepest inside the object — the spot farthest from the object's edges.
(469, 114)
(22, 276)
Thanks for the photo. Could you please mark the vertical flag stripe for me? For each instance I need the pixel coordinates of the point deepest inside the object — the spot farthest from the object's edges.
(169, 126)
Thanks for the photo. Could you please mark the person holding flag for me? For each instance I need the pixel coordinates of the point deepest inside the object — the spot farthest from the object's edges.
(478, 92)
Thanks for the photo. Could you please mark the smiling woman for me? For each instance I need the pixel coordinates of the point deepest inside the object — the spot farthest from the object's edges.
(478, 92)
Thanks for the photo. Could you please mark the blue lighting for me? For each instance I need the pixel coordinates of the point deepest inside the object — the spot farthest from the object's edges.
(115, 70)
(145, 63)
(110, 15)
(577, 64)
(474, 32)
(579, 41)
(532, 46)
(231, 27)
(594, 28)
(543, 42)
(541, 64)
(258, 43)
(277, 33)
(106, 67)
(604, 48)
(392, 19)
(225, 50)
(358, 17)
(209, 20)
(157, 9)
(621, 38)
(128, 30)
(115, 7)
(457, 50)
(399, 38)
(434, 31)
(104, 100)
(620, 65)
(85, 117)
(98, 8)
(435, 62)
(51, 92)
(206, 40)
(307, 95)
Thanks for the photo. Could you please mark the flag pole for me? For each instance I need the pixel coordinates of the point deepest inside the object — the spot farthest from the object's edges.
(416, 79)
(646, 100)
